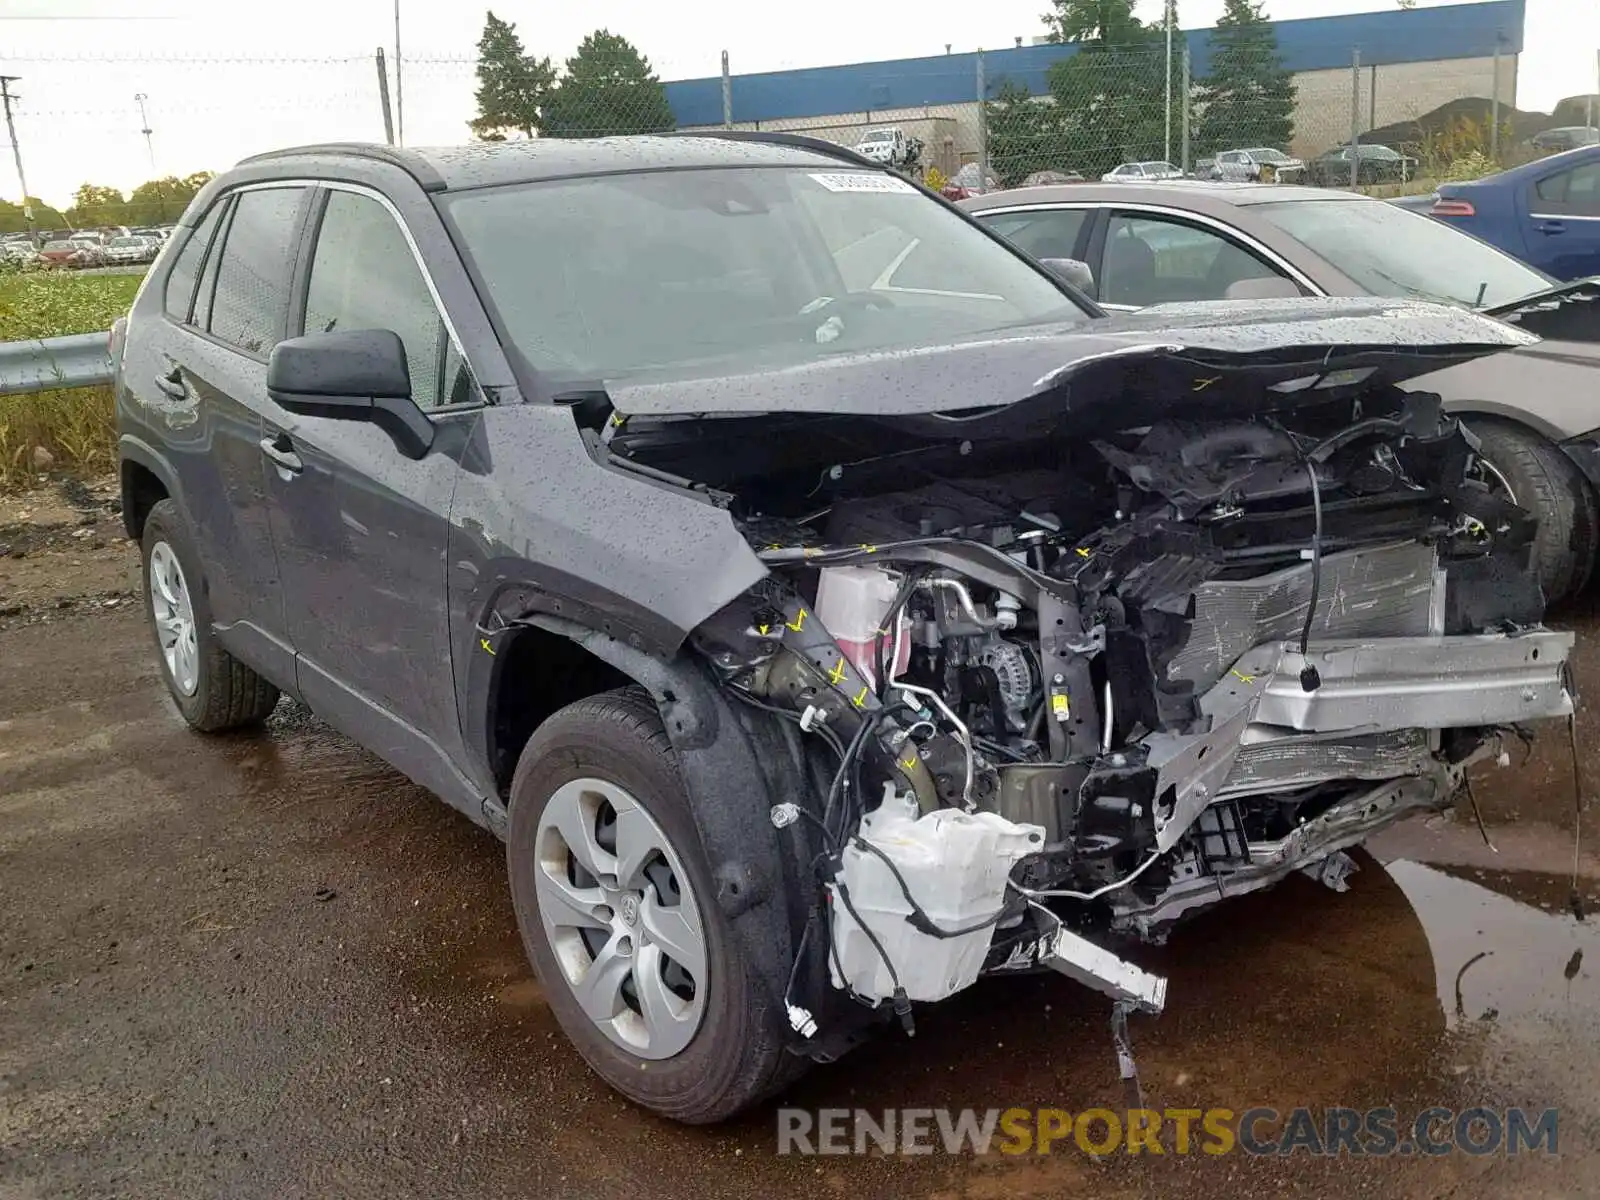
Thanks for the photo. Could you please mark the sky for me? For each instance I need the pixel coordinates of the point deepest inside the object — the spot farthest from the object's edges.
(220, 81)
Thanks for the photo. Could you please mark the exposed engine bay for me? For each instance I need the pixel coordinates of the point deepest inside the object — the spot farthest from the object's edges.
(1072, 682)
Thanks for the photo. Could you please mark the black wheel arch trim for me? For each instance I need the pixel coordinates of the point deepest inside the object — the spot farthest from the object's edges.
(136, 450)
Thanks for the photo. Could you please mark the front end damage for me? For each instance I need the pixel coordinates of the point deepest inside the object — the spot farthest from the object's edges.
(1076, 668)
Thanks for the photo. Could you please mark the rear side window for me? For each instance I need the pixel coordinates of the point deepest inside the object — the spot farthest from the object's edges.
(1575, 192)
(1042, 233)
(179, 296)
(251, 303)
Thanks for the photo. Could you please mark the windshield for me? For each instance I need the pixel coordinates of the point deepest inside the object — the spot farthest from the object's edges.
(618, 275)
(1392, 252)
(1266, 154)
(61, 246)
(127, 241)
(880, 135)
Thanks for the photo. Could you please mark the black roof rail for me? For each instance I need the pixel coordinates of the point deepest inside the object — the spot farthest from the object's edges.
(412, 164)
(799, 141)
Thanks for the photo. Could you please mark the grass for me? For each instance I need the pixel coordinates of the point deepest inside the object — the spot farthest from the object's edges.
(75, 428)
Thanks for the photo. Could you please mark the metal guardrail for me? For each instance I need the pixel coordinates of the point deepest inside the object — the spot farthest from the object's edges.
(78, 360)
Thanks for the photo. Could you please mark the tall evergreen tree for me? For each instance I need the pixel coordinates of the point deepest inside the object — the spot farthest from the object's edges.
(1248, 97)
(608, 89)
(1110, 93)
(1025, 133)
(512, 84)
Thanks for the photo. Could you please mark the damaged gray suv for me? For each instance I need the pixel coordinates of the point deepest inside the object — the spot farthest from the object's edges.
(827, 607)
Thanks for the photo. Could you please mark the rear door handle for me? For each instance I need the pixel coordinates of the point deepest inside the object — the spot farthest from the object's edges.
(1551, 226)
(281, 451)
(172, 384)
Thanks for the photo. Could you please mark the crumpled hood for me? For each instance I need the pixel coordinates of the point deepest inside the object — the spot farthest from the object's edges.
(1158, 356)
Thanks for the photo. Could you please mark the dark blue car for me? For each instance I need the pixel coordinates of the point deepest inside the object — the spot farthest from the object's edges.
(1547, 213)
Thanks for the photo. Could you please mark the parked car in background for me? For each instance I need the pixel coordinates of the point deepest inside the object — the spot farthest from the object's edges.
(1547, 212)
(1260, 165)
(1565, 137)
(127, 251)
(1204, 168)
(1139, 172)
(71, 252)
(1045, 178)
(888, 146)
(18, 253)
(520, 464)
(1536, 408)
(964, 183)
(1377, 164)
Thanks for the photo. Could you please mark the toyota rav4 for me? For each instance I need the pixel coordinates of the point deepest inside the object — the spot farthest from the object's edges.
(614, 491)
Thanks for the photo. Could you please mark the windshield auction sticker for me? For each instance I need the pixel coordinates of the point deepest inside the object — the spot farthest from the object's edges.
(861, 181)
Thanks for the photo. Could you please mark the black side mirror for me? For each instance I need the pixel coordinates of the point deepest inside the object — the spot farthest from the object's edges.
(351, 375)
(1071, 270)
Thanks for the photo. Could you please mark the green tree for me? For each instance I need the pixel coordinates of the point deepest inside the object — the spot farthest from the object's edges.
(512, 85)
(608, 89)
(1248, 98)
(1025, 133)
(93, 204)
(1110, 92)
(162, 201)
(45, 219)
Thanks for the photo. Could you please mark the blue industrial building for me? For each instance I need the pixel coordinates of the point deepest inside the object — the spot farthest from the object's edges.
(1403, 43)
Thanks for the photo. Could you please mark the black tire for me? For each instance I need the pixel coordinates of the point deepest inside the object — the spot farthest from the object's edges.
(737, 1055)
(1545, 481)
(228, 694)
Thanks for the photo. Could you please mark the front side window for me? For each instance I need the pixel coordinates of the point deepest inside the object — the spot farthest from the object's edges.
(1041, 232)
(1391, 252)
(1152, 260)
(251, 299)
(364, 276)
(630, 274)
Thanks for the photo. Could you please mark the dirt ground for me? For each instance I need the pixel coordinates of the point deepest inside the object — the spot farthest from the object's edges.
(265, 965)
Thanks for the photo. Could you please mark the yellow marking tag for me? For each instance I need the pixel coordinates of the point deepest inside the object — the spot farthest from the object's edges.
(867, 548)
(909, 763)
(798, 623)
(861, 698)
(484, 642)
(837, 674)
(1234, 671)
(1201, 385)
(617, 419)
(762, 629)
(1084, 552)
(1060, 706)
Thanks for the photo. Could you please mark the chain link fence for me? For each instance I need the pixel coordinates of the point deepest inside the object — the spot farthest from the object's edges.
(1411, 124)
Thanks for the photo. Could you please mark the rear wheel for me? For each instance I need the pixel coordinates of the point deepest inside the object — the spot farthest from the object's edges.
(213, 690)
(1533, 473)
(618, 914)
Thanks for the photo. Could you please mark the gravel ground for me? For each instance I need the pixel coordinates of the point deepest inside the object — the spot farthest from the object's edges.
(266, 965)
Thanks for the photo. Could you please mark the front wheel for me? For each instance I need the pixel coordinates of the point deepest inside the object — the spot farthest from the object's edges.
(1534, 474)
(618, 914)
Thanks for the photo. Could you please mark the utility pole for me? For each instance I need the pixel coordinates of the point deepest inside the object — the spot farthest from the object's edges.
(7, 97)
(383, 99)
(1168, 150)
(150, 148)
(399, 93)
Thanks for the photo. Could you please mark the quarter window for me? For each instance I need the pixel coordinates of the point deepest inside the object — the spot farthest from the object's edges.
(251, 302)
(1572, 193)
(178, 299)
(364, 276)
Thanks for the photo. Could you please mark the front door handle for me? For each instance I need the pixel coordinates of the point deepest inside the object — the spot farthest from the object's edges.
(172, 384)
(281, 451)
(1548, 227)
